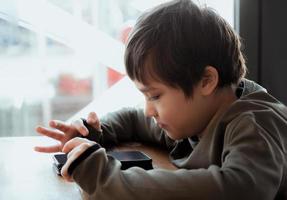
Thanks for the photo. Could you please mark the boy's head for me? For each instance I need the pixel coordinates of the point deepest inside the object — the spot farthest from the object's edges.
(174, 42)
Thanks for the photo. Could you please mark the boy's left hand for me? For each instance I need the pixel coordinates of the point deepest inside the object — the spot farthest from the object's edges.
(74, 147)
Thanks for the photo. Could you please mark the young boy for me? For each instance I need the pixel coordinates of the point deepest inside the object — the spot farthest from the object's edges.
(227, 135)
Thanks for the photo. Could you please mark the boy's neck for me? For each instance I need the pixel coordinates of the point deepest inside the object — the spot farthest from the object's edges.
(222, 100)
(225, 96)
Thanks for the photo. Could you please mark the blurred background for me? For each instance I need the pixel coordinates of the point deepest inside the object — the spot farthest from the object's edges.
(60, 59)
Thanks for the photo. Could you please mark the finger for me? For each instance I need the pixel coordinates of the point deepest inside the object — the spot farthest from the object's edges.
(55, 134)
(60, 125)
(71, 144)
(64, 170)
(80, 127)
(84, 145)
(72, 156)
(48, 149)
(94, 121)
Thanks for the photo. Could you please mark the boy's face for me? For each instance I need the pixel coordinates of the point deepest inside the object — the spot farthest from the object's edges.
(179, 116)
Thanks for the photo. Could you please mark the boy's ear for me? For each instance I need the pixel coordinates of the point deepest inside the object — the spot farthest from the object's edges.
(209, 81)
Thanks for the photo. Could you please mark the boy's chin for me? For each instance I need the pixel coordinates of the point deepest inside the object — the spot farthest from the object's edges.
(174, 136)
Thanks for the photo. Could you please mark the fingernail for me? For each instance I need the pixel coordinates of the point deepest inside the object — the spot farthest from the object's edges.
(91, 121)
(36, 148)
(53, 123)
(86, 133)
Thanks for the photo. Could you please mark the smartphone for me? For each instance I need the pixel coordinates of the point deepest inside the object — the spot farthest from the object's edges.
(59, 161)
(127, 158)
(132, 159)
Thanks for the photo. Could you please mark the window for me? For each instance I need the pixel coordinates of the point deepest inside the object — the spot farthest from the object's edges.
(62, 59)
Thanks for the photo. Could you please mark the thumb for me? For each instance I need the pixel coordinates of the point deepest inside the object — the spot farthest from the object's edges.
(94, 121)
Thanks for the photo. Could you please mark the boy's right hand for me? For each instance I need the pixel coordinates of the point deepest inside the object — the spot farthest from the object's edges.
(63, 132)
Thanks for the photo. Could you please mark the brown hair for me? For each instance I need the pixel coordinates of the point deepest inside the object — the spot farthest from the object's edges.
(174, 42)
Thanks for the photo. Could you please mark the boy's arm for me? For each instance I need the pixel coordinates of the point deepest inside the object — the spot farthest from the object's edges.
(129, 125)
(246, 173)
(108, 181)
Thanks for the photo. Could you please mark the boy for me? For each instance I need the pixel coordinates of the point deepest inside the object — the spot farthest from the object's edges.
(227, 135)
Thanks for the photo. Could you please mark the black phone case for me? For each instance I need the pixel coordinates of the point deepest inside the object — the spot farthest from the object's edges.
(127, 158)
(59, 161)
(132, 159)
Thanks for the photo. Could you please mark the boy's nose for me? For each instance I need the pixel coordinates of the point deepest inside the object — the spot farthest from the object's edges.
(149, 110)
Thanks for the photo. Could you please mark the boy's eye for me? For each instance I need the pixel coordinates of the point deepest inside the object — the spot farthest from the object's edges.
(153, 98)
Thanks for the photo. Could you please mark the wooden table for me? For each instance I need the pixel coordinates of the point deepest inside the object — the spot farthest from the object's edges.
(26, 174)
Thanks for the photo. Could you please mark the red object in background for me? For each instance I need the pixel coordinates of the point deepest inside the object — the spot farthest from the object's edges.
(69, 85)
(114, 76)
(125, 33)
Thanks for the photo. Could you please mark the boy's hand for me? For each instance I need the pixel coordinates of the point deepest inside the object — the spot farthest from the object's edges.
(75, 147)
(94, 121)
(63, 132)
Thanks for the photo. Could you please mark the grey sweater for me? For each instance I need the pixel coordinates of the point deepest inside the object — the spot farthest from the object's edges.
(242, 155)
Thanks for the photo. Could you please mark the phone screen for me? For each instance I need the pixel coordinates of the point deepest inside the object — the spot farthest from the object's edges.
(60, 159)
(129, 155)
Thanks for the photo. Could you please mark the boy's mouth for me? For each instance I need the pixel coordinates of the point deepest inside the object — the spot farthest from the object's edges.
(163, 126)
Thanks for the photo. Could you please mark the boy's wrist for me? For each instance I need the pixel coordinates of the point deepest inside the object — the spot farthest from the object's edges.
(93, 134)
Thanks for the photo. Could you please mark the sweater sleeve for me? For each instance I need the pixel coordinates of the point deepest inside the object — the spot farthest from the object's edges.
(100, 177)
(251, 169)
(253, 158)
(129, 125)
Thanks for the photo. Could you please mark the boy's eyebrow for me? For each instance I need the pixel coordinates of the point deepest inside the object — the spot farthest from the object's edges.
(146, 89)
